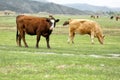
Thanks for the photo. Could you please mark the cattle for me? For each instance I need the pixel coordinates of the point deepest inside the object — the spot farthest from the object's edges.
(40, 26)
(111, 17)
(117, 17)
(84, 26)
(93, 16)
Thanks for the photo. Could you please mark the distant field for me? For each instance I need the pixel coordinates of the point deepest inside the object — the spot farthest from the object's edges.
(104, 21)
(79, 61)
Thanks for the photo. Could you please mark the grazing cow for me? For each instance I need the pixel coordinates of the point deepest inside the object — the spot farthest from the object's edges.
(97, 16)
(93, 16)
(83, 26)
(117, 17)
(111, 17)
(39, 26)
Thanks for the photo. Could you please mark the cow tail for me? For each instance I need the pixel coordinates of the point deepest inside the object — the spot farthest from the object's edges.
(17, 35)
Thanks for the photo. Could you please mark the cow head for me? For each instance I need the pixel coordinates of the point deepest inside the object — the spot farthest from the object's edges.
(103, 36)
(101, 39)
(52, 22)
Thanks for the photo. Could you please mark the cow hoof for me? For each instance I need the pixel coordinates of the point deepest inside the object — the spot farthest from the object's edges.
(37, 47)
(48, 47)
(92, 43)
(19, 45)
(68, 42)
(102, 43)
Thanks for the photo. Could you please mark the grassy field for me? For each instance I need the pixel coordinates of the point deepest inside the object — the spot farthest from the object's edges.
(79, 61)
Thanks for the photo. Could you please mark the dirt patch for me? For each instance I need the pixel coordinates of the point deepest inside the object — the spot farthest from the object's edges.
(65, 54)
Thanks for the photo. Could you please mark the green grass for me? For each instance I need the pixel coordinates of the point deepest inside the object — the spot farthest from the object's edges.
(7, 20)
(104, 21)
(79, 61)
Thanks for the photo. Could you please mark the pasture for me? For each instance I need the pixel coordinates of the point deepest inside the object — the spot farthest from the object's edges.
(78, 61)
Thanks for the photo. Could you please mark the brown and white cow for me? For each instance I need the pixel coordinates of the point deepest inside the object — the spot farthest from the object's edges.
(40, 26)
(84, 26)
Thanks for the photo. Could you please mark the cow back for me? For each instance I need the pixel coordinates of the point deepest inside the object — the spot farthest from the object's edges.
(32, 25)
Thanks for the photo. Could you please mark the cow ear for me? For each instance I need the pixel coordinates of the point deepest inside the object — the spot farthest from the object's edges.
(57, 20)
(47, 19)
(65, 23)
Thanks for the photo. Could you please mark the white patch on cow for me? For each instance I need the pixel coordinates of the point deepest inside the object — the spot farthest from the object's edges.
(52, 26)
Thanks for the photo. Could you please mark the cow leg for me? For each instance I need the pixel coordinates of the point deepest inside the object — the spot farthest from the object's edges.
(24, 41)
(47, 40)
(100, 39)
(23, 38)
(71, 37)
(38, 39)
(19, 40)
(92, 37)
(68, 40)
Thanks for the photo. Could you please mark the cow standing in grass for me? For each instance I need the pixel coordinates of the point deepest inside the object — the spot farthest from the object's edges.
(111, 17)
(93, 16)
(39, 26)
(83, 26)
(117, 18)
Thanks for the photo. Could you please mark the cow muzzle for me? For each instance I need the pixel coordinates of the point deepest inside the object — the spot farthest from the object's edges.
(51, 28)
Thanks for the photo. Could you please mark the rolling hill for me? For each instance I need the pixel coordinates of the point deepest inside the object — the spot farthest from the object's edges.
(87, 7)
(31, 6)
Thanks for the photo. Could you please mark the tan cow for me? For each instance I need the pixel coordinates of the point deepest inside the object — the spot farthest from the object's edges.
(84, 26)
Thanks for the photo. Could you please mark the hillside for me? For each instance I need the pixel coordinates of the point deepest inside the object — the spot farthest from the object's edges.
(31, 6)
(88, 7)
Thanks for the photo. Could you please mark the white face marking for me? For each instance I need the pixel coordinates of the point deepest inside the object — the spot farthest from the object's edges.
(52, 26)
